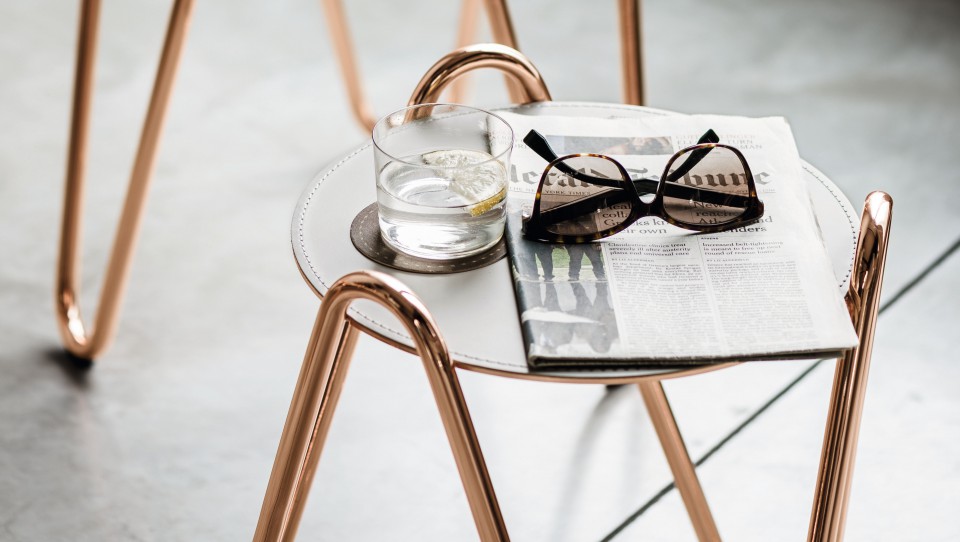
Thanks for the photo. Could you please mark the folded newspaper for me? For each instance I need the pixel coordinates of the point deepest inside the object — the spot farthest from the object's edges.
(658, 295)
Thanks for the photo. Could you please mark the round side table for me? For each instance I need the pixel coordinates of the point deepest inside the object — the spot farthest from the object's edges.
(463, 303)
(441, 323)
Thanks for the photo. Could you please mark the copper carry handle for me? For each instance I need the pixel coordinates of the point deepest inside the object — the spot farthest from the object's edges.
(482, 55)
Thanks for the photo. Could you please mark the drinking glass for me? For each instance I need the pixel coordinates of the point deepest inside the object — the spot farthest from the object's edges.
(442, 179)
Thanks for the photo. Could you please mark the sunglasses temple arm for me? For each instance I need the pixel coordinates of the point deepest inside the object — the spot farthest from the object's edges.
(688, 164)
(645, 186)
(581, 207)
(682, 191)
(696, 156)
(709, 137)
(538, 144)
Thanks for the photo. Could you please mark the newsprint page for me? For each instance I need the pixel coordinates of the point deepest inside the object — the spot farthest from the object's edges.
(658, 295)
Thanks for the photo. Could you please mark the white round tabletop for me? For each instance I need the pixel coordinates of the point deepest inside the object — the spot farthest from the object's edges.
(476, 310)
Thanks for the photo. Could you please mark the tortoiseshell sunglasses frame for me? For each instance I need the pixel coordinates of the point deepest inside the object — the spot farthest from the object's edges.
(534, 227)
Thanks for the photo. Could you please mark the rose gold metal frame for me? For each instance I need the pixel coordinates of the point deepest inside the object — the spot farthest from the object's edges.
(501, 29)
(482, 55)
(684, 472)
(466, 34)
(334, 337)
(501, 26)
(832, 493)
(319, 386)
(631, 54)
(79, 340)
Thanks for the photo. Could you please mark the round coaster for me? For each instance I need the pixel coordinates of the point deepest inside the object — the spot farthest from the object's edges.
(365, 234)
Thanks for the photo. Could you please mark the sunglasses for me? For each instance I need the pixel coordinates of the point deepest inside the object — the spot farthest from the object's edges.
(707, 187)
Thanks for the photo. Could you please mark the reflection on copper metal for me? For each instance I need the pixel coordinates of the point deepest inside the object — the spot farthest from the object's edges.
(502, 30)
(684, 473)
(88, 342)
(481, 55)
(832, 492)
(320, 383)
(466, 34)
(343, 47)
(630, 51)
(500, 24)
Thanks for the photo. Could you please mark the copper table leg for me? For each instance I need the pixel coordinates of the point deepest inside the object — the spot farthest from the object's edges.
(630, 51)
(684, 473)
(318, 389)
(832, 493)
(501, 26)
(79, 340)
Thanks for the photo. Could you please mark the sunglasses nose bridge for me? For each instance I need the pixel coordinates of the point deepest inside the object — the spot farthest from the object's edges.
(640, 210)
(644, 202)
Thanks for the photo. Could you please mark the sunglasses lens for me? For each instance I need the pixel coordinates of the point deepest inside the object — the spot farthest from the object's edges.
(583, 196)
(706, 186)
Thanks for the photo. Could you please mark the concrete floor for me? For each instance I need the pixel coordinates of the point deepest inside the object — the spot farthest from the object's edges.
(172, 435)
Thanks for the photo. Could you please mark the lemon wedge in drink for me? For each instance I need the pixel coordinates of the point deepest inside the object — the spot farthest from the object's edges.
(475, 176)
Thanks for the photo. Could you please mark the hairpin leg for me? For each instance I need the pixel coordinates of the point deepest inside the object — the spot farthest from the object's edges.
(466, 34)
(502, 28)
(84, 342)
(684, 473)
(337, 26)
(832, 493)
(630, 51)
(318, 388)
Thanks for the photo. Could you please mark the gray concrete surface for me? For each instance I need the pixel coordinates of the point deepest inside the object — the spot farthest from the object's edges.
(171, 436)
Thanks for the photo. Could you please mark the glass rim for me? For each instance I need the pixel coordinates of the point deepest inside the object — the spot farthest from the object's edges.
(469, 110)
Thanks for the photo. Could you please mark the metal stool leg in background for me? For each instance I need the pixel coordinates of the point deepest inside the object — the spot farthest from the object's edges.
(832, 494)
(631, 52)
(501, 25)
(88, 342)
(684, 472)
(501, 28)
(631, 56)
(343, 47)
(466, 34)
(318, 388)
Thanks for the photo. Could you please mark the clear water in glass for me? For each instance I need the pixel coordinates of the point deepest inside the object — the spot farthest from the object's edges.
(443, 204)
